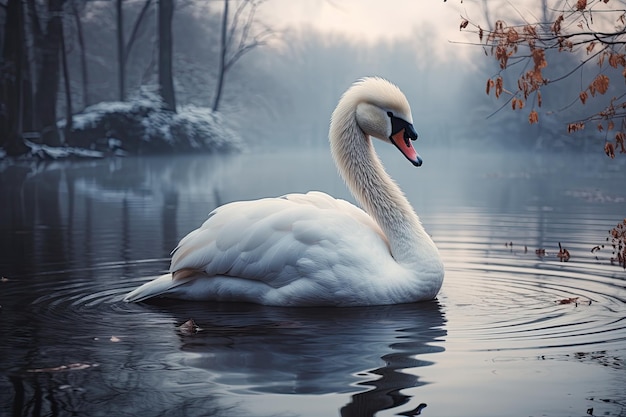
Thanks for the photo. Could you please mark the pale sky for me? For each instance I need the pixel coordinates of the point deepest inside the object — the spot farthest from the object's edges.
(368, 19)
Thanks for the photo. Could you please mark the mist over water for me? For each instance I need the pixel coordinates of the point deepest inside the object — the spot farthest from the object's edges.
(76, 238)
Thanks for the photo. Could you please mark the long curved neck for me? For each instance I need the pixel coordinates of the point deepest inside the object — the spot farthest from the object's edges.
(374, 189)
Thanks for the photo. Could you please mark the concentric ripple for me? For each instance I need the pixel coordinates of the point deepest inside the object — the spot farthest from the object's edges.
(503, 296)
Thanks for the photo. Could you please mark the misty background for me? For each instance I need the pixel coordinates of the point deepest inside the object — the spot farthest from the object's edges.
(283, 90)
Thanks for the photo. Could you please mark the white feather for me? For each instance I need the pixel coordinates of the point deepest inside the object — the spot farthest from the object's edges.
(312, 249)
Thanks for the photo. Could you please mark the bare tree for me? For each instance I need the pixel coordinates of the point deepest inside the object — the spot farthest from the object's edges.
(68, 92)
(166, 81)
(593, 32)
(124, 47)
(238, 37)
(82, 49)
(47, 84)
(121, 62)
(12, 80)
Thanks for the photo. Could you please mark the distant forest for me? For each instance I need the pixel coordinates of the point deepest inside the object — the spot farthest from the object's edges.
(62, 56)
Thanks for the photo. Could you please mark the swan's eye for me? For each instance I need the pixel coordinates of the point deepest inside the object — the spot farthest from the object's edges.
(398, 124)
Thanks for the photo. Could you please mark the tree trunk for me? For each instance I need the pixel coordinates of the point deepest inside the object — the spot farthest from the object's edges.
(11, 92)
(121, 61)
(166, 81)
(82, 50)
(48, 78)
(222, 67)
(69, 122)
(133, 35)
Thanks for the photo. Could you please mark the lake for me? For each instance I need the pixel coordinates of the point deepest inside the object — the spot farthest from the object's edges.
(515, 331)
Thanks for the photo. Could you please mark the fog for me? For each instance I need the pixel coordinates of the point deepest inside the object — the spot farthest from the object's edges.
(283, 92)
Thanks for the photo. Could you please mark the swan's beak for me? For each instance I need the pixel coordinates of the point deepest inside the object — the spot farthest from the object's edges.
(402, 139)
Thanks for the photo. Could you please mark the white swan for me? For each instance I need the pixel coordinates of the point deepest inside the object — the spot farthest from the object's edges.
(311, 249)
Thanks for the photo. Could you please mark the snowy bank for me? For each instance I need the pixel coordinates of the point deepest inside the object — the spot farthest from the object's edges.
(142, 126)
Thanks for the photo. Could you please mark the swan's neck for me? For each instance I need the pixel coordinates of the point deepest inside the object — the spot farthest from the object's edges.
(379, 195)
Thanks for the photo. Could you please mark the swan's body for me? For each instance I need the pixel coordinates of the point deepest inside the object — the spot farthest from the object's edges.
(311, 249)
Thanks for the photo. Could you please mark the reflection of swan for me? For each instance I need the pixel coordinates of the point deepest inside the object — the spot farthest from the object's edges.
(369, 358)
(311, 249)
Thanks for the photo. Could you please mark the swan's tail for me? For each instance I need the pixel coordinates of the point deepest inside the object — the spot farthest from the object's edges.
(155, 288)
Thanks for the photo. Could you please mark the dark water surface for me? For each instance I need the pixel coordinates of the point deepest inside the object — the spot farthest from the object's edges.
(75, 238)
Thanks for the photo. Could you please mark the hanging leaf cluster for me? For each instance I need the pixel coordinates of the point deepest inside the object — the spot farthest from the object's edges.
(572, 31)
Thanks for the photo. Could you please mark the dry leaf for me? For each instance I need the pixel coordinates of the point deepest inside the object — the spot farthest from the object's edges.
(600, 84)
(189, 327)
(620, 140)
(533, 117)
(490, 85)
(499, 86)
(563, 254)
(609, 150)
(590, 47)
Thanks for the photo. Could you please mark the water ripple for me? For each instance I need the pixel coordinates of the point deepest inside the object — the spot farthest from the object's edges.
(505, 297)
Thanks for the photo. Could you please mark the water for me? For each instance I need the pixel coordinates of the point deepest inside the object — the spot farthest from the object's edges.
(75, 238)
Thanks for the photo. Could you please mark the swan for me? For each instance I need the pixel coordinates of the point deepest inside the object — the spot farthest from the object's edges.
(312, 249)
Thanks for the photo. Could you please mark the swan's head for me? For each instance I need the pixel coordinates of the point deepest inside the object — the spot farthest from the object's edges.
(382, 111)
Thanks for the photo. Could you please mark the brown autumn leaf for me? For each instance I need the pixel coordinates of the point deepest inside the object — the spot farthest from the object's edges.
(609, 150)
(530, 31)
(583, 96)
(581, 5)
(590, 47)
(574, 127)
(556, 26)
(499, 86)
(601, 83)
(502, 56)
(572, 300)
(620, 139)
(539, 58)
(189, 327)
(563, 254)
(616, 60)
(512, 36)
(533, 117)
(464, 24)
(490, 84)
(517, 104)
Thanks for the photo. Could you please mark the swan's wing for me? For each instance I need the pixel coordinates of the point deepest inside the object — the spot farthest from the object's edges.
(277, 240)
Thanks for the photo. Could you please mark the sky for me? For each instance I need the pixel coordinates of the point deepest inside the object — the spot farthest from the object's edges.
(367, 19)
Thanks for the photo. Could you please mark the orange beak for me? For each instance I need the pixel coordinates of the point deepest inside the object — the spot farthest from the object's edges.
(403, 143)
